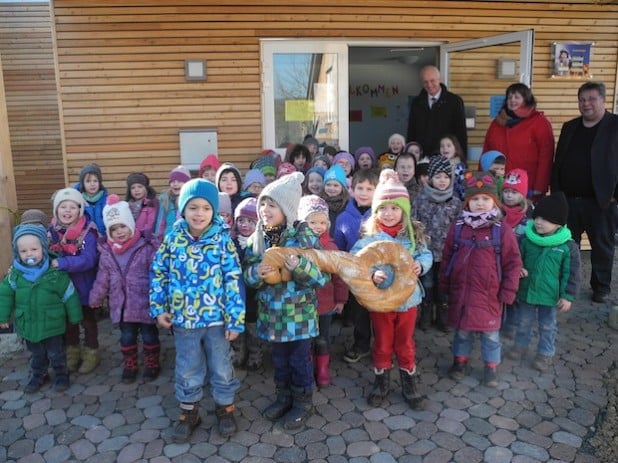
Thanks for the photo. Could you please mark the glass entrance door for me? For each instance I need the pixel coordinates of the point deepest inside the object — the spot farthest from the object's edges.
(304, 92)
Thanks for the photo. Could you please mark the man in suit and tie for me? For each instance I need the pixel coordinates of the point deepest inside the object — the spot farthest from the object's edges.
(436, 112)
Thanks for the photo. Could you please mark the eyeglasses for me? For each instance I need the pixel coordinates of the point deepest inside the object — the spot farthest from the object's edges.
(591, 99)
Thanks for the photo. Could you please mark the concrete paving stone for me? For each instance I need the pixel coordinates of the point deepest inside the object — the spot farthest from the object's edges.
(481, 411)
(524, 459)
(160, 422)
(501, 438)
(402, 438)
(399, 422)
(154, 411)
(426, 415)
(86, 421)
(582, 416)
(61, 402)
(278, 437)
(560, 393)
(571, 426)
(148, 401)
(43, 444)
(32, 421)
(438, 456)
(504, 422)
(290, 455)
(105, 408)
(353, 419)
(97, 434)
(479, 426)
(232, 451)
(451, 426)
(125, 430)
(57, 454)
(344, 405)
(355, 435)
(391, 447)
(447, 441)
(382, 457)
(411, 459)
(562, 452)
(536, 395)
(528, 419)
(475, 440)
(262, 450)
(307, 436)
(260, 427)
(468, 455)
(359, 460)
(133, 415)
(530, 437)
(75, 410)
(15, 405)
(70, 435)
(421, 447)
(496, 402)
(32, 458)
(545, 428)
(20, 448)
(173, 450)
(513, 395)
(113, 443)
(317, 451)
(154, 448)
(597, 397)
(336, 445)
(457, 403)
(11, 395)
(335, 428)
(187, 458)
(567, 438)
(82, 449)
(498, 455)
(9, 423)
(362, 449)
(375, 414)
(376, 430)
(144, 435)
(530, 450)
(439, 396)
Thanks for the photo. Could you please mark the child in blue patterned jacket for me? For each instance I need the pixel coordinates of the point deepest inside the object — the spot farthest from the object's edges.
(195, 287)
(287, 311)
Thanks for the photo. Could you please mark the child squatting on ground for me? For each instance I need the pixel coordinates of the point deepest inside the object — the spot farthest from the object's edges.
(480, 273)
(551, 276)
(194, 287)
(124, 266)
(43, 299)
(394, 331)
(287, 311)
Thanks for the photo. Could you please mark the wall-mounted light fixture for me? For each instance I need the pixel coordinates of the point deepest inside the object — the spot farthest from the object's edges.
(507, 68)
(195, 69)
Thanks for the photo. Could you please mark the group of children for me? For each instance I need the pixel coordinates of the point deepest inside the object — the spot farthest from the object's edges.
(192, 259)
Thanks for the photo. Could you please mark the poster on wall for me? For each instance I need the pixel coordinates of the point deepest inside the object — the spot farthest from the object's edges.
(571, 59)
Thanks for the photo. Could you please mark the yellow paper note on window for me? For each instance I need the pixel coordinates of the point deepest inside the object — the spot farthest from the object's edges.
(379, 111)
(299, 110)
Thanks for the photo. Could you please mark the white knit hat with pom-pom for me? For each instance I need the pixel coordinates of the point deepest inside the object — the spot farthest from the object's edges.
(117, 212)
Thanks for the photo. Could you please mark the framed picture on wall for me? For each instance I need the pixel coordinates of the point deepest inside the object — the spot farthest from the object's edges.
(571, 59)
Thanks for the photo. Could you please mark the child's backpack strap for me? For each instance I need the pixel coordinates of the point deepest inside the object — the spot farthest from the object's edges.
(495, 241)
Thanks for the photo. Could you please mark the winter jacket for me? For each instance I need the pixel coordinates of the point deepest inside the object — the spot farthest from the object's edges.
(147, 216)
(95, 210)
(335, 291)
(348, 225)
(81, 267)
(421, 254)
(197, 280)
(475, 294)
(437, 218)
(43, 307)
(287, 311)
(167, 214)
(428, 125)
(528, 145)
(554, 271)
(127, 288)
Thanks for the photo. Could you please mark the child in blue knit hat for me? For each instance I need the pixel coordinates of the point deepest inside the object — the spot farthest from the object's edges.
(46, 300)
(195, 287)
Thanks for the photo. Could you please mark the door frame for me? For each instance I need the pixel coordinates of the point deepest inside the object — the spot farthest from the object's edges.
(526, 48)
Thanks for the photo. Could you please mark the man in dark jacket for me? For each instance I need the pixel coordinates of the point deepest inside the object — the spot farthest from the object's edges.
(436, 112)
(586, 170)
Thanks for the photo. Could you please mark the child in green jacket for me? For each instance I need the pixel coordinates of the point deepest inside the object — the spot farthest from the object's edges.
(43, 298)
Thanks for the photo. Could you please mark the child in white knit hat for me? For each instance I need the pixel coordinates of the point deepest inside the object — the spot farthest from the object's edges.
(287, 311)
(124, 267)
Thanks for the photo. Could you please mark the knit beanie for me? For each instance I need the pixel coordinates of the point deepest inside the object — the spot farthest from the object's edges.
(323, 158)
(34, 217)
(488, 158)
(318, 170)
(311, 204)
(310, 140)
(390, 190)
(266, 163)
(198, 188)
(366, 149)
(285, 168)
(180, 173)
(437, 164)
(516, 179)
(286, 192)
(253, 176)
(117, 212)
(67, 194)
(387, 160)
(422, 168)
(553, 208)
(93, 169)
(476, 183)
(344, 155)
(229, 167)
(225, 203)
(246, 208)
(138, 177)
(336, 173)
(209, 161)
(30, 229)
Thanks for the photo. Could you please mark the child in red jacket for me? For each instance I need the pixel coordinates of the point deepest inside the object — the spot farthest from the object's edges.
(480, 273)
(333, 295)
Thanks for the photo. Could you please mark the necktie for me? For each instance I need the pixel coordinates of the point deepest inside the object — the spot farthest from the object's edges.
(433, 101)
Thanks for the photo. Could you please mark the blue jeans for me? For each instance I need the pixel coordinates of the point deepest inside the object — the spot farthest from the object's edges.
(490, 345)
(129, 332)
(292, 362)
(203, 352)
(548, 327)
(50, 350)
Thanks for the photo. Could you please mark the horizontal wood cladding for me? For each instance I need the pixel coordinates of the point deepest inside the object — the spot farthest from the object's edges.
(121, 65)
(26, 47)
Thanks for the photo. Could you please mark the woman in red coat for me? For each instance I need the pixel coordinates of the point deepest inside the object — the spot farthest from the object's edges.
(525, 136)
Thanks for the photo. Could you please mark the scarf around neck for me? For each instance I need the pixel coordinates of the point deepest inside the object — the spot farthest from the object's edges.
(121, 248)
(392, 231)
(509, 118)
(30, 272)
(481, 219)
(513, 214)
(438, 196)
(136, 207)
(92, 199)
(337, 203)
(560, 236)
(69, 243)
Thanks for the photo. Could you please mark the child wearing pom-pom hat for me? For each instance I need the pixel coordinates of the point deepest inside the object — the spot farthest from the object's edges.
(124, 264)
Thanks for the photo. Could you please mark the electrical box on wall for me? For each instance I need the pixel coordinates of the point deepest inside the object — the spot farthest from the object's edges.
(195, 145)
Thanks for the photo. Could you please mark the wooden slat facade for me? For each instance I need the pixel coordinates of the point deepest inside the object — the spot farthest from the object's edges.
(120, 65)
(26, 49)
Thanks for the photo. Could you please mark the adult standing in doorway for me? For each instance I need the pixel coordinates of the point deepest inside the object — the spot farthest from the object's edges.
(586, 170)
(525, 137)
(436, 112)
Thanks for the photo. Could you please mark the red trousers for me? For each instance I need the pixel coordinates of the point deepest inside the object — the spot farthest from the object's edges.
(394, 332)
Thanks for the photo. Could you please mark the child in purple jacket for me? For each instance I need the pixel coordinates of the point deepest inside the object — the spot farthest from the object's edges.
(124, 266)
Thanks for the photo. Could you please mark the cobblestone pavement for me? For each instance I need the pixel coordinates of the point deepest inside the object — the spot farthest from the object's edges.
(530, 417)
